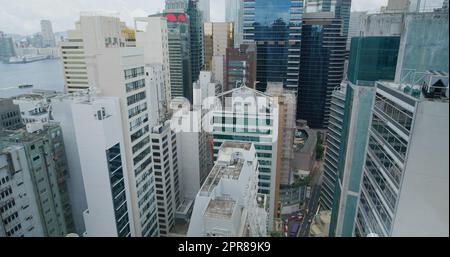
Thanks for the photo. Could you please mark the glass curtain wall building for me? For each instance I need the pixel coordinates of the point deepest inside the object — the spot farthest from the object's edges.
(276, 28)
(321, 66)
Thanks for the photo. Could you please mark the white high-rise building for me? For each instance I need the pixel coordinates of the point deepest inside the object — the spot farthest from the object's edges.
(92, 130)
(119, 71)
(247, 115)
(152, 35)
(167, 175)
(48, 38)
(195, 151)
(404, 185)
(228, 203)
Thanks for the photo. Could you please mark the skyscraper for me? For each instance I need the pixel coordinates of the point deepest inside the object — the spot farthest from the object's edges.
(275, 26)
(97, 164)
(405, 175)
(178, 23)
(119, 71)
(152, 35)
(48, 37)
(196, 37)
(167, 175)
(34, 200)
(234, 11)
(371, 59)
(321, 66)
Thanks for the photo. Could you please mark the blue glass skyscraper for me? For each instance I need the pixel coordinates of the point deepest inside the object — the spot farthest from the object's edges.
(276, 27)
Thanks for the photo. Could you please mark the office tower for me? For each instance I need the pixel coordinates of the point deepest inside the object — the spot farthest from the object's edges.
(405, 175)
(179, 48)
(240, 67)
(321, 66)
(196, 37)
(228, 203)
(218, 37)
(278, 40)
(34, 201)
(248, 115)
(371, 59)
(218, 64)
(47, 34)
(9, 114)
(354, 28)
(98, 182)
(167, 175)
(119, 71)
(152, 35)
(234, 12)
(7, 49)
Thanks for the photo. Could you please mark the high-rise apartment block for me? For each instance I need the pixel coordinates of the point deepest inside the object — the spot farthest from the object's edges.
(34, 200)
(228, 203)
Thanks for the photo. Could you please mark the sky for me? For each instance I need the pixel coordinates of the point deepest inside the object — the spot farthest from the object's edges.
(23, 16)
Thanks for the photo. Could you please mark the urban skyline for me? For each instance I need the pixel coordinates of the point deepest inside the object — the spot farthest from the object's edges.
(292, 118)
(15, 18)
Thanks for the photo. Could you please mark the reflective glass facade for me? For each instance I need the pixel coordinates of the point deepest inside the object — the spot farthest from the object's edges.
(373, 58)
(275, 27)
(321, 67)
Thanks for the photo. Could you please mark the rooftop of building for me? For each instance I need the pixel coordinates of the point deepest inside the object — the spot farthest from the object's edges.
(234, 144)
(422, 86)
(26, 135)
(228, 166)
(220, 207)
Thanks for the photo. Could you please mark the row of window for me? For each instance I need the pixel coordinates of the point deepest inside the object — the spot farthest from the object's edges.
(9, 115)
(134, 72)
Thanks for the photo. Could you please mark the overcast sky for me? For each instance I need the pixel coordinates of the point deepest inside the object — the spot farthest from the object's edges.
(23, 16)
